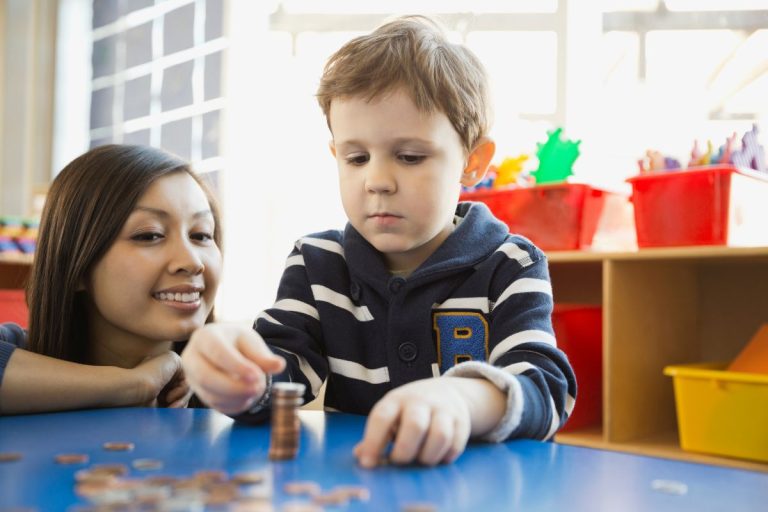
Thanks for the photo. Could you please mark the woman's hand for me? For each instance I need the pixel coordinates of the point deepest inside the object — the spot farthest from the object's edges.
(159, 382)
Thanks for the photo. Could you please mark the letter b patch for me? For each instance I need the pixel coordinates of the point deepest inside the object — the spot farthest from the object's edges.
(461, 336)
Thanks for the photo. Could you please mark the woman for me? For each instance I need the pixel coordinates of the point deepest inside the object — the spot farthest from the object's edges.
(127, 263)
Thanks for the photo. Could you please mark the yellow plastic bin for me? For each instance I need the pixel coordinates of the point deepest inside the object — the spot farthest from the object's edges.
(721, 412)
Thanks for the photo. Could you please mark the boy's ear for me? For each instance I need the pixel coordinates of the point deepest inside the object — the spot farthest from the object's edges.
(332, 147)
(478, 161)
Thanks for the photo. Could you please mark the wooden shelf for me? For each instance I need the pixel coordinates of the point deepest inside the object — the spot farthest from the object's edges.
(712, 252)
(22, 259)
(661, 307)
(665, 445)
(14, 270)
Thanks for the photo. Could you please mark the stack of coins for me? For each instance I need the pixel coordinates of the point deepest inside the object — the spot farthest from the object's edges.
(284, 439)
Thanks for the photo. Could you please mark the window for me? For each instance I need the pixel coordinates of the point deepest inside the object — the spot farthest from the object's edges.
(157, 77)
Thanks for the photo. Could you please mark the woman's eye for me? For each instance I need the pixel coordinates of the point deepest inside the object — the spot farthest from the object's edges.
(147, 237)
(357, 159)
(411, 159)
(202, 237)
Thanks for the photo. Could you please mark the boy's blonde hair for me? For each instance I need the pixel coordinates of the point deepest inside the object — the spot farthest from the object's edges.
(412, 52)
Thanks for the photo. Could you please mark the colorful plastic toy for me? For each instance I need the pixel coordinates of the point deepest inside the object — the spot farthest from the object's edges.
(697, 157)
(655, 161)
(556, 158)
(724, 152)
(751, 153)
(508, 173)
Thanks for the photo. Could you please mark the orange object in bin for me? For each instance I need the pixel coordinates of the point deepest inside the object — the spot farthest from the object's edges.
(754, 357)
(579, 333)
(562, 216)
(715, 205)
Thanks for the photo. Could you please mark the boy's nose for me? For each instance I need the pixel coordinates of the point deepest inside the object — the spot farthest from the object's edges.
(379, 179)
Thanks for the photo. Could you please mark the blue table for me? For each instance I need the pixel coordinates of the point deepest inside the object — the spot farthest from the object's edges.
(519, 475)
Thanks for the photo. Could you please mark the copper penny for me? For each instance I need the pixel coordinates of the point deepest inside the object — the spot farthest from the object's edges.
(114, 446)
(71, 458)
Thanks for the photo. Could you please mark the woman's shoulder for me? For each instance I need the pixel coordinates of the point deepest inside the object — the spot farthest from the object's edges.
(13, 334)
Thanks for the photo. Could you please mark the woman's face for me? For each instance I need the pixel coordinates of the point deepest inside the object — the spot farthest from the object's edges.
(158, 280)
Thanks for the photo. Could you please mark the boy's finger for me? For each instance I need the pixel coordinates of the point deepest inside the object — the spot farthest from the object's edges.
(439, 439)
(215, 381)
(229, 359)
(411, 433)
(378, 432)
(253, 347)
(460, 439)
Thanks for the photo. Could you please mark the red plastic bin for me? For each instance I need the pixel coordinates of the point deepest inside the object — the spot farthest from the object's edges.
(579, 333)
(13, 307)
(715, 205)
(562, 216)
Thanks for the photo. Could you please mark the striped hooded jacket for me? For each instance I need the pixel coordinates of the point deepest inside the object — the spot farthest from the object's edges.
(480, 306)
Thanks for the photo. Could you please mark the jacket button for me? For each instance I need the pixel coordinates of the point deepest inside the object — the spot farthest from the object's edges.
(395, 284)
(407, 351)
(354, 291)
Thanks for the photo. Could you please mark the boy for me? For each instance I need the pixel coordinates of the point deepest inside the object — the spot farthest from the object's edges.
(429, 317)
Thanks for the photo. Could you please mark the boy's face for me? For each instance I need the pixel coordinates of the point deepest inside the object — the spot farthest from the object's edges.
(400, 174)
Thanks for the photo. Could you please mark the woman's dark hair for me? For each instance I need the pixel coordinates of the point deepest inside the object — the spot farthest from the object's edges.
(86, 207)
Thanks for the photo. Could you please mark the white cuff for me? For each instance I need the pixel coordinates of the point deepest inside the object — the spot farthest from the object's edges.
(507, 384)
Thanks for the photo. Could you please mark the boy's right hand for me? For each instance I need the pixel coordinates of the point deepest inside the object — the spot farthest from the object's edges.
(226, 365)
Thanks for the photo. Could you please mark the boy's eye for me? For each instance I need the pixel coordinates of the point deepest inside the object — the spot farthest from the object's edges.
(411, 159)
(358, 159)
(149, 236)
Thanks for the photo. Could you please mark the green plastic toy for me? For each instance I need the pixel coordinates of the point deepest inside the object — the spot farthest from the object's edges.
(556, 158)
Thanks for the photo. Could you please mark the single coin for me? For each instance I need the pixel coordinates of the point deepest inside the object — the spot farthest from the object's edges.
(147, 464)
(356, 492)
(418, 507)
(331, 498)
(71, 458)
(288, 388)
(307, 487)
(301, 506)
(115, 446)
(248, 477)
(88, 476)
(211, 476)
(673, 487)
(9, 456)
(110, 469)
(249, 504)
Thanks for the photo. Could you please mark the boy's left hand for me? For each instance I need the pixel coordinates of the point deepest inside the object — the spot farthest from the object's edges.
(428, 420)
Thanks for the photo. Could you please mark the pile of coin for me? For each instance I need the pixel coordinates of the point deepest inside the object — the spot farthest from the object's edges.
(108, 487)
(286, 427)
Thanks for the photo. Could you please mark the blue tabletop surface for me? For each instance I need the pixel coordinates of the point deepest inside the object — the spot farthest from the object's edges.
(518, 475)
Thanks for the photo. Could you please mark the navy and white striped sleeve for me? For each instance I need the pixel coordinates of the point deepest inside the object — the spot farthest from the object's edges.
(11, 337)
(524, 360)
(291, 328)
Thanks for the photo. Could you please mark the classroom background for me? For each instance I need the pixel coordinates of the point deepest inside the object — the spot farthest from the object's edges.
(229, 85)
